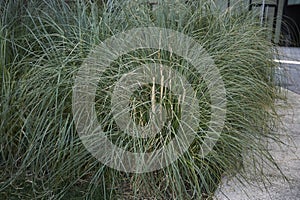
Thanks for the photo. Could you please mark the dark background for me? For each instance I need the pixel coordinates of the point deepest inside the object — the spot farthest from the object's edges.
(290, 28)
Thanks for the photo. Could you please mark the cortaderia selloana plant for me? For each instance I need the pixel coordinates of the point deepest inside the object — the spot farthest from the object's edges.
(44, 47)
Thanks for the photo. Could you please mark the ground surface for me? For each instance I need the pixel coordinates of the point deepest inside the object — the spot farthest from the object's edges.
(287, 156)
(290, 66)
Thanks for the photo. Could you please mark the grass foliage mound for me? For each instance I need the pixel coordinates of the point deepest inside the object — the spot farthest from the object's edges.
(43, 44)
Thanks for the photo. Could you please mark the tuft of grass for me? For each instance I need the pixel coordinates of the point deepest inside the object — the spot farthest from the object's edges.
(42, 156)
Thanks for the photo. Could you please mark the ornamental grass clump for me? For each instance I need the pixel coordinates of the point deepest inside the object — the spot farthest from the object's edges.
(42, 53)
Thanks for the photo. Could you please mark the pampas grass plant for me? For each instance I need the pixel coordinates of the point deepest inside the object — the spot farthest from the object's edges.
(42, 49)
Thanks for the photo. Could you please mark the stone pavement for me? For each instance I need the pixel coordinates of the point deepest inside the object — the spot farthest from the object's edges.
(289, 58)
(287, 156)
